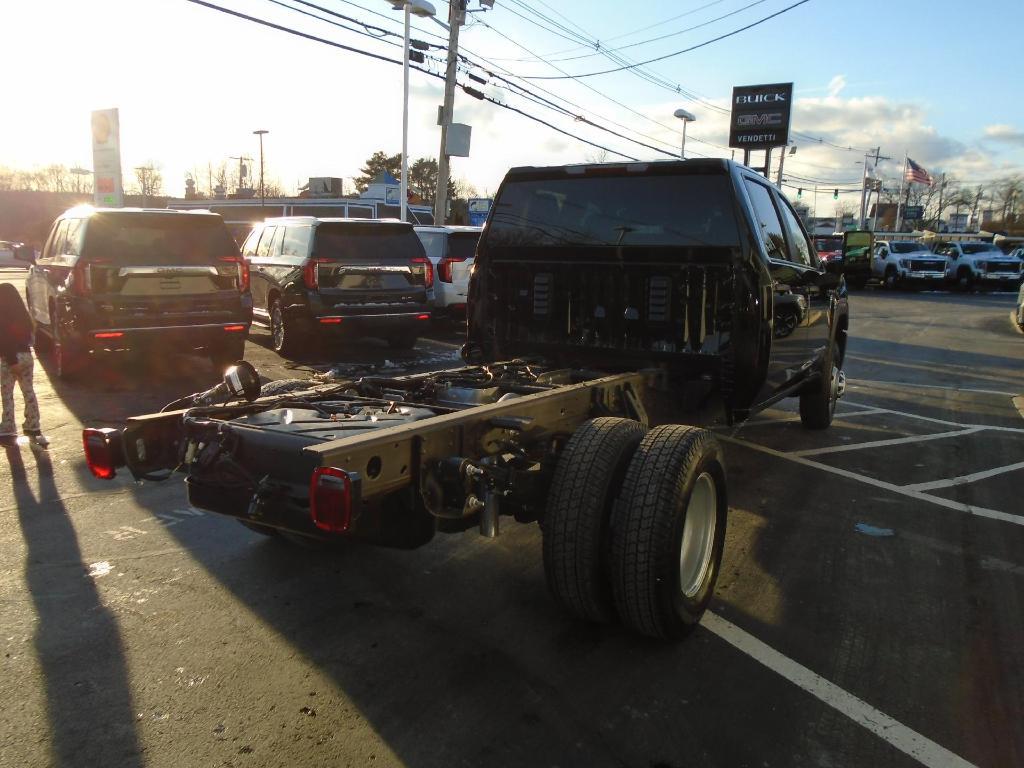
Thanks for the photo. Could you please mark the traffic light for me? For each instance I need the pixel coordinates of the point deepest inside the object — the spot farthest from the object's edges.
(800, 192)
(835, 195)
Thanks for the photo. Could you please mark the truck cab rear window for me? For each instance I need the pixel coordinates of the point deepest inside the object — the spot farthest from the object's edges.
(683, 210)
(169, 239)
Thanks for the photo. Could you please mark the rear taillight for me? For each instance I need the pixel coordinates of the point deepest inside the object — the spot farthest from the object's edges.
(330, 499)
(234, 328)
(444, 267)
(103, 451)
(422, 268)
(243, 271)
(311, 273)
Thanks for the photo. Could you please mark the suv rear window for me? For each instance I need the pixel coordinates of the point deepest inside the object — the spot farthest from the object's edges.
(462, 245)
(680, 210)
(367, 243)
(168, 239)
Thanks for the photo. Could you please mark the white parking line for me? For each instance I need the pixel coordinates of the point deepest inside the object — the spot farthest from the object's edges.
(902, 737)
(964, 479)
(881, 443)
(879, 409)
(913, 385)
(993, 514)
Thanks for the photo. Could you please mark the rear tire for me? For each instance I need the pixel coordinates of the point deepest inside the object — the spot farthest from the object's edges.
(668, 532)
(891, 279)
(587, 479)
(284, 336)
(67, 361)
(818, 406)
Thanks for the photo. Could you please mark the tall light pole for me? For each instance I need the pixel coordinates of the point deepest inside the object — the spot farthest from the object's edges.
(424, 9)
(686, 117)
(261, 133)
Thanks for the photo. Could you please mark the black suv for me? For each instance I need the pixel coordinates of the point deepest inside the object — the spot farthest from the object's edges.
(352, 277)
(125, 278)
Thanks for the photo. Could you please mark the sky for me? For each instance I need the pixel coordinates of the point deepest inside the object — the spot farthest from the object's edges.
(937, 80)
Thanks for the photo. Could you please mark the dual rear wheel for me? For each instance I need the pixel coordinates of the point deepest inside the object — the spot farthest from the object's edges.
(635, 525)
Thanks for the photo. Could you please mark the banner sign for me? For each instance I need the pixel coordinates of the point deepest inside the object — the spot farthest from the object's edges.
(913, 212)
(106, 159)
(760, 116)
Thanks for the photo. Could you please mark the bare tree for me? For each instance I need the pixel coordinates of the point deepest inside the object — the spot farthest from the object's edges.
(148, 181)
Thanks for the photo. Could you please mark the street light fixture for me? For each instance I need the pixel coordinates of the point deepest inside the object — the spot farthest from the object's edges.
(425, 10)
(686, 117)
(261, 133)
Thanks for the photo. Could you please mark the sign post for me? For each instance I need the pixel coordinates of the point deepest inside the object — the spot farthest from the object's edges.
(760, 118)
(106, 159)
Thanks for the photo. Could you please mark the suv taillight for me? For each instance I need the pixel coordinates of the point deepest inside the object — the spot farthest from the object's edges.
(422, 268)
(444, 267)
(103, 451)
(243, 271)
(330, 499)
(311, 273)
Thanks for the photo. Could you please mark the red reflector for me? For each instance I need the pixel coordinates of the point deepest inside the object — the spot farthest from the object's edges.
(330, 499)
(423, 317)
(330, 320)
(234, 327)
(102, 451)
(108, 335)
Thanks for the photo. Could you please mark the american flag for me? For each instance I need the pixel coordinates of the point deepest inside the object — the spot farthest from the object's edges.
(917, 174)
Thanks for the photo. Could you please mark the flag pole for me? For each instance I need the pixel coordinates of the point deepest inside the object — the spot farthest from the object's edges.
(899, 199)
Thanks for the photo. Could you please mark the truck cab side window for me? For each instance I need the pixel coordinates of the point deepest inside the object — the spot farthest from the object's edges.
(799, 248)
(771, 227)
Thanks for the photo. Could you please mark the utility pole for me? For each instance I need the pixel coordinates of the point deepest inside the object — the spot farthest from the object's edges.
(864, 184)
(261, 133)
(456, 17)
(241, 169)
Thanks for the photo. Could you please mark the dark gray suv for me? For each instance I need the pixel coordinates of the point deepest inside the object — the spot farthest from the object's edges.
(339, 277)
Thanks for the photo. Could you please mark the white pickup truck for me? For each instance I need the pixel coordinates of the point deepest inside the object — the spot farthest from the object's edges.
(899, 263)
(971, 264)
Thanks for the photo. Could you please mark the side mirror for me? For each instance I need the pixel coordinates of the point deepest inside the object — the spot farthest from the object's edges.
(25, 253)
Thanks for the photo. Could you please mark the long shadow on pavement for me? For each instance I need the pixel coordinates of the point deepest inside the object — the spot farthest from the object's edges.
(77, 640)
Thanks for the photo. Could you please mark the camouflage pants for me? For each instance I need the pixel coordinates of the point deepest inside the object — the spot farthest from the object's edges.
(22, 373)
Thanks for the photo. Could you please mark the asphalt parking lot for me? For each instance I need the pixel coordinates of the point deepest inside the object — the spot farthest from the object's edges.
(870, 609)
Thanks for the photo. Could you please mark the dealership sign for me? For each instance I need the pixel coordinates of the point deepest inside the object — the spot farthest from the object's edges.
(760, 116)
(106, 159)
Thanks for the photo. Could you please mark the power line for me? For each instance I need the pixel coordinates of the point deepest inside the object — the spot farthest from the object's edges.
(361, 52)
(674, 53)
(605, 51)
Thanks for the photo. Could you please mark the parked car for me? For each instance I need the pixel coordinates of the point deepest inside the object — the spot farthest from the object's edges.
(829, 247)
(132, 278)
(451, 251)
(13, 255)
(899, 263)
(970, 264)
(343, 277)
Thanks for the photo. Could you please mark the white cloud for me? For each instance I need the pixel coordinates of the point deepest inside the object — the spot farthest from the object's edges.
(1005, 133)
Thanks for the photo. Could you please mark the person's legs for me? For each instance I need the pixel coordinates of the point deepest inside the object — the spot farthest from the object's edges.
(7, 392)
(28, 394)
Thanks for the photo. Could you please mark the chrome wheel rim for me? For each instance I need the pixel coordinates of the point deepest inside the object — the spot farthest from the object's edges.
(277, 328)
(698, 536)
